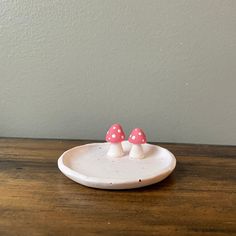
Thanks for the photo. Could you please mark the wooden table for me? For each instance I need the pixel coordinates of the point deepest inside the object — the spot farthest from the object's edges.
(199, 198)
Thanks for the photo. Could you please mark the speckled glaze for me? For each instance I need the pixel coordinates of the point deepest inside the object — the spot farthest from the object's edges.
(89, 165)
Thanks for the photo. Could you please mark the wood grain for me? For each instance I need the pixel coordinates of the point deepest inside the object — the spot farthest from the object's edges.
(199, 198)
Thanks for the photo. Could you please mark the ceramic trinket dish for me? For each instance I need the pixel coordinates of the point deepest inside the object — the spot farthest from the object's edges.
(117, 164)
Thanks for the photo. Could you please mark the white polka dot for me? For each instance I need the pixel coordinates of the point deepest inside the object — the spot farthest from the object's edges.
(119, 130)
(122, 137)
(133, 137)
(136, 129)
(114, 127)
(113, 136)
(109, 138)
(130, 135)
(139, 133)
(143, 140)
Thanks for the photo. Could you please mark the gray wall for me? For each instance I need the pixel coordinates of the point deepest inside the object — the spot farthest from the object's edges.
(69, 69)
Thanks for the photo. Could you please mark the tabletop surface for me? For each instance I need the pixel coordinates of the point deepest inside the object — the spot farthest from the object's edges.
(198, 198)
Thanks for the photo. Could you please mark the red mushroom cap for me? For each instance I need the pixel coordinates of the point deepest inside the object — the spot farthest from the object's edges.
(115, 134)
(137, 136)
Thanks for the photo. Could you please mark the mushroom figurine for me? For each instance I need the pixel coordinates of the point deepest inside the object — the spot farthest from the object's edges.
(115, 135)
(137, 138)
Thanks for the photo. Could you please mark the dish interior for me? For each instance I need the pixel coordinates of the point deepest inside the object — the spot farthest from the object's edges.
(91, 160)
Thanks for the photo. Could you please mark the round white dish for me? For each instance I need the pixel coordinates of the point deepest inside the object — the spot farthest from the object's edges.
(90, 166)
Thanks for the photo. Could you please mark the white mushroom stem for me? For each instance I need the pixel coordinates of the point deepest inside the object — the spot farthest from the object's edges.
(136, 151)
(115, 150)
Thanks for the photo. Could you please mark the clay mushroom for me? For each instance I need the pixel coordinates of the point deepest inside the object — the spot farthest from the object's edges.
(137, 138)
(115, 135)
